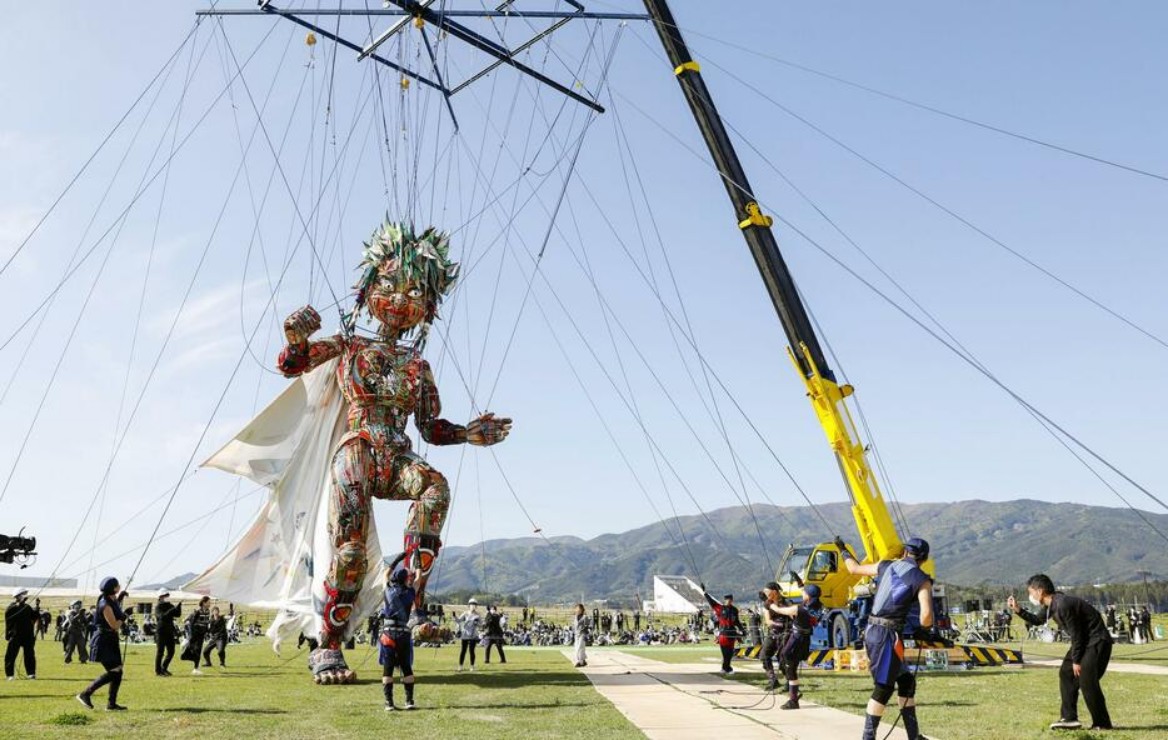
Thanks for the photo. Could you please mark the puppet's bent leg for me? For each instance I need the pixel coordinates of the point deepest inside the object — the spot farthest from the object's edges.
(353, 475)
(431, 496)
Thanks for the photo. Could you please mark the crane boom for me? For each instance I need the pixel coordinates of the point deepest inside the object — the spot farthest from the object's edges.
(875, 525)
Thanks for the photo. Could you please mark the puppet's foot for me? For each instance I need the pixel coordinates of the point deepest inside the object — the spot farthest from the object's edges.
(328, 666)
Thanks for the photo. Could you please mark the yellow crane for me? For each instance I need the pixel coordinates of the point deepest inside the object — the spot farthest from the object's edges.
(844, 595)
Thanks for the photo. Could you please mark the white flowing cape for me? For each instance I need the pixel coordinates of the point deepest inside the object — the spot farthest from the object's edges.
(281, 560)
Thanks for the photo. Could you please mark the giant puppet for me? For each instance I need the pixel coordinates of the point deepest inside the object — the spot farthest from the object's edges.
(327, 455)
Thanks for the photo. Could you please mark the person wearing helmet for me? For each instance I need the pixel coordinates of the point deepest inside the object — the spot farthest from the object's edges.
(166, 633)
(20, 624)
(103, 647)
(797, 645)
(900, 585)
(74, 632)
(730, 627)
(397, 642)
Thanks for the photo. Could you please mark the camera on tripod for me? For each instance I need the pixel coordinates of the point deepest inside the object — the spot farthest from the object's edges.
(18, 549)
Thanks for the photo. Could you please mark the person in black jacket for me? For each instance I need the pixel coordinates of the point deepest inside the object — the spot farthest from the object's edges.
(1086, 661)
(797, 642)
(165, 633)
(108, 619)
(494, 633)
(216, 638)
(20, 625)
(196, 628)
(75, 629)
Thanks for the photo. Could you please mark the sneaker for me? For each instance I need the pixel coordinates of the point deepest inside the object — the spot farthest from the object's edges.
(12, 678)
(115, 708)
(196, 672)
(85, 701)
(1101, 727)
(32, 677)
(472, 669)
(1066, 724)
(410, 706)
(390, 708)
(791, 704)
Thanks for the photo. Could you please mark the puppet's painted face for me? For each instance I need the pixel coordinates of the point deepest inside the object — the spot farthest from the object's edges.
(398, 304)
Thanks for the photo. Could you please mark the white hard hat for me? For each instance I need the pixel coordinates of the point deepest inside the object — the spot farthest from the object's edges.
(163, 592)
(19, 591)
(473, 601)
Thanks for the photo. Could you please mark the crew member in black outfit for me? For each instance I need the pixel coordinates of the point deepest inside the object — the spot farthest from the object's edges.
(196, 627)
(20, 625)
(494, 633)
(216, 638)
(165, 633)
(107, 624)
(797, 646)
(75, 630)
(1086, 661)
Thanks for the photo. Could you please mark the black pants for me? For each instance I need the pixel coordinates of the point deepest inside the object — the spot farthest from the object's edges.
(28, 644)
(1093, 666)
(497, 643)
(770, 646)
(163, 653)
(219, 643)
(727, 656)
(467, 645)
(76, 642)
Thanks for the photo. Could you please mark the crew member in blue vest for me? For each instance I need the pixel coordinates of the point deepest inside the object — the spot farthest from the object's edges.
(797, 645)
(103, 647)
(900, 585)
(397, 642)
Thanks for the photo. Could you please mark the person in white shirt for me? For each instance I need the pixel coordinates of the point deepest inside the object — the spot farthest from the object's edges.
(468, 631)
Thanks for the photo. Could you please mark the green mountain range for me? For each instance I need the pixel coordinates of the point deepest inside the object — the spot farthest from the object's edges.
(974, 543)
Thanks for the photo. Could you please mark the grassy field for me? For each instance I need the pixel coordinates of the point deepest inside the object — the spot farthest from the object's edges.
(537, 693)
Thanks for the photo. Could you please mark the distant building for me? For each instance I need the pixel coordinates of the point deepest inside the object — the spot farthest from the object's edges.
(675, 595)
(32, 582)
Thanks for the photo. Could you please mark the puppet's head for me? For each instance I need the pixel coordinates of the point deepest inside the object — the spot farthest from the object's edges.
(404, 277)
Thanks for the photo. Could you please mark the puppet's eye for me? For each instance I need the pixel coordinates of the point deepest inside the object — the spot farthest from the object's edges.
(415, 293)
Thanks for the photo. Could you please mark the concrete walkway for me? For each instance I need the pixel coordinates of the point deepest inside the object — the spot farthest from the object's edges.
(679, 701)
(1112, 667)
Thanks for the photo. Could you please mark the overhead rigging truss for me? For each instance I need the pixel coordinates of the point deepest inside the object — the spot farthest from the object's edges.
(446, 21)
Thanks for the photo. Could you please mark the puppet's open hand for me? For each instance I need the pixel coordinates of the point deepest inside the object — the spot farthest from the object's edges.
(487, 430)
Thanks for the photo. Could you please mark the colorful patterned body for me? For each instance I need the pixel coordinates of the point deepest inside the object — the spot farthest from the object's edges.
(384, 384)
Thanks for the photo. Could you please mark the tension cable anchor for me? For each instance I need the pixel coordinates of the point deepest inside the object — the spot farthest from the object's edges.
(755, 217)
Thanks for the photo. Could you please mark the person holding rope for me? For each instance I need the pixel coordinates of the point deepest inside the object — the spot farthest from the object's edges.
(1086, 661)
(730, 627)
(797, 645)
(104, 648)
(75, 632)
(397, 641)
(20, 625)
(216, 638)
(777, 626)
(900, 585)
(165, 633)
(197, 626)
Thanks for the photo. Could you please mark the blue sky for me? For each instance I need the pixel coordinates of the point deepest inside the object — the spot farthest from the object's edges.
(1077, 75)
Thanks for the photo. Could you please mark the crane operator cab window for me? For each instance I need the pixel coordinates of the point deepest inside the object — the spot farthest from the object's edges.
(822, 564)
